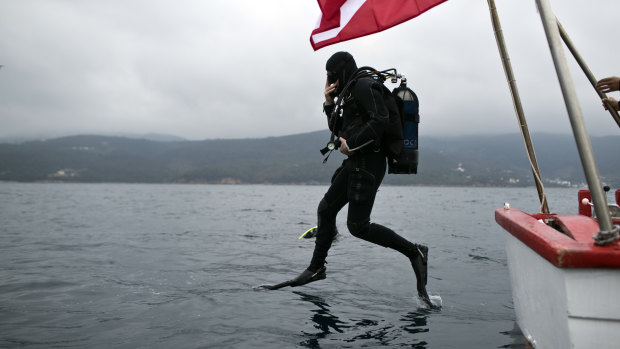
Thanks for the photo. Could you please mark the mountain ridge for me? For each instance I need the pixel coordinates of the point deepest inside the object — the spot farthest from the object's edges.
(482, 160)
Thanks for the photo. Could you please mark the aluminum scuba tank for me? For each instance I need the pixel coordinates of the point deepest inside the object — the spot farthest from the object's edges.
(407, 160)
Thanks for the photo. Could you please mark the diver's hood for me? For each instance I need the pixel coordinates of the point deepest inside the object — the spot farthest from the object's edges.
(340, 66)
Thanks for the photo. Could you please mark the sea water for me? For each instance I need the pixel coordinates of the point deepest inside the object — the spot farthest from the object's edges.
(175, 266)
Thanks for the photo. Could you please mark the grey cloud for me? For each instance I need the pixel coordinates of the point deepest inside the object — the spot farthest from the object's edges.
(222, 69)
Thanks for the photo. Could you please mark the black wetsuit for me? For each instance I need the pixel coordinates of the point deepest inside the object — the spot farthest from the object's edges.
(365, 119)
(357, 180)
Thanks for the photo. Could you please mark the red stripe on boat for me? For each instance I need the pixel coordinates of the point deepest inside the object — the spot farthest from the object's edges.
(573, 249)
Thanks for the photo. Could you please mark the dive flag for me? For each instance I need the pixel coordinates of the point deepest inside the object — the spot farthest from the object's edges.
(343, 20)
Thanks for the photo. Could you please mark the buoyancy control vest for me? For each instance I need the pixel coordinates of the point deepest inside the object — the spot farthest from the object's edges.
(400, 137)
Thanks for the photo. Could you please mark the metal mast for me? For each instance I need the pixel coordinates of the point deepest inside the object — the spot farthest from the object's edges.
(607, 233)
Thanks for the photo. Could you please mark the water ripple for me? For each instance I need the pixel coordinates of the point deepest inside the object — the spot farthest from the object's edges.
(161, 266)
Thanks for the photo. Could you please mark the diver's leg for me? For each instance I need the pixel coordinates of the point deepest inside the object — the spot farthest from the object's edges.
(363, 186)
(335, 198)
(386, 237)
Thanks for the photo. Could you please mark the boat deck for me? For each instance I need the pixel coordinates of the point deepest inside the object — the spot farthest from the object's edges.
(565, 241)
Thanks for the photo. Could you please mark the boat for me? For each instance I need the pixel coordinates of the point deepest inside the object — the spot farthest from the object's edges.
(565, 287)
(564, 267)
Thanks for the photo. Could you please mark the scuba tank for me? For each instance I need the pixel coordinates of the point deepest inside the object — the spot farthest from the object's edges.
(407, 160)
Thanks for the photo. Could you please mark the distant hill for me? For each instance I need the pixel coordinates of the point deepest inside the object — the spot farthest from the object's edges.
(497, 160)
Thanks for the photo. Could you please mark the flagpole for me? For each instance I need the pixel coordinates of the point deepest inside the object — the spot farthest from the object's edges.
(586, 70)
(607, 233)
(516, 100)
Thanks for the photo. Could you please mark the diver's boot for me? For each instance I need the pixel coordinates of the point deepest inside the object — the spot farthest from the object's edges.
(418, 257)
(308, 276)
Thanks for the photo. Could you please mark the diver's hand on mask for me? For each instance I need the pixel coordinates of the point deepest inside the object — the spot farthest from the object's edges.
(329, 90)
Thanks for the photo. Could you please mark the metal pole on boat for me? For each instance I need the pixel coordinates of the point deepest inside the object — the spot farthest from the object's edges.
(516, 100)
(607, 233)
(586, 69)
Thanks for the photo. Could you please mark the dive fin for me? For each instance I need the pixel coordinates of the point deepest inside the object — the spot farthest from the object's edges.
(425, 298)
(419, 262)
(305, 277)
(276, 286)
(310, 233)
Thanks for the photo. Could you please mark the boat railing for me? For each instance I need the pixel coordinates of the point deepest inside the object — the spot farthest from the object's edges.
(585, 204)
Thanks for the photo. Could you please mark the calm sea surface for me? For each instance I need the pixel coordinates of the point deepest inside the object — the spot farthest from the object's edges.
(175, 266)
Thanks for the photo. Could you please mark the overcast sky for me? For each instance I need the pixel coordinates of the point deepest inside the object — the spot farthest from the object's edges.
(236, 69)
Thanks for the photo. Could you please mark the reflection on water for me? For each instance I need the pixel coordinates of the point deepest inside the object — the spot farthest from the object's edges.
(415, 322)
(366, 330)
(323, 319)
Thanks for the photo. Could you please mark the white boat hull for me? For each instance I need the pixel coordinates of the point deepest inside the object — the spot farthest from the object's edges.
(563, 307)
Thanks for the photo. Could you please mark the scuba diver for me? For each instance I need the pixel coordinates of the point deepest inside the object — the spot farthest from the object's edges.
(359, 130)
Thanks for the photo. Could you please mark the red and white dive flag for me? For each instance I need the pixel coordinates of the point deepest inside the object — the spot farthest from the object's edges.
(343, 20)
